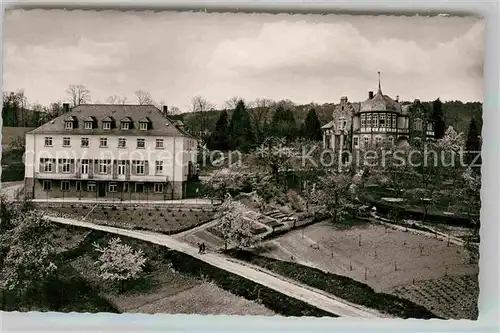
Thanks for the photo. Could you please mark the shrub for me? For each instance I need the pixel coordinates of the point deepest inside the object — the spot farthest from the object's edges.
(119, 262)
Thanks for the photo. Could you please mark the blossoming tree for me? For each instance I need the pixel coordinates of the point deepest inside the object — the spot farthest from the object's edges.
(119, 262)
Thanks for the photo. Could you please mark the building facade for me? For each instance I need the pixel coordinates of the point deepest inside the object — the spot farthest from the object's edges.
(376, 121)
(120, 152)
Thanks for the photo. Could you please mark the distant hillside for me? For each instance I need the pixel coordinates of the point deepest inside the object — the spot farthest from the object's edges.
(11, 133)
(456, 113)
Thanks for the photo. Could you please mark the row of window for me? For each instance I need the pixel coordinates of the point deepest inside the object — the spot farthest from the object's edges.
(88, 125)
(378, 140)
(48, 165)
(103, 142)
(378, 120)
(91, 187)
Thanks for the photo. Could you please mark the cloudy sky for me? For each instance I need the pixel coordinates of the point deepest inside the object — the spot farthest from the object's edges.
(305, 58)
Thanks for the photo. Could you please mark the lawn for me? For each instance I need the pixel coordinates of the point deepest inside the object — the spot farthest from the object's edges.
(164, 220)
(380, 257)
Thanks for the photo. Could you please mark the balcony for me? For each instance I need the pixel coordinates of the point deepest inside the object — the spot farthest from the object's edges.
(55, 175)
(149, 178)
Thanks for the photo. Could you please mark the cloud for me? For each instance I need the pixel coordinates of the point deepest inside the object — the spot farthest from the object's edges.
(318, 47)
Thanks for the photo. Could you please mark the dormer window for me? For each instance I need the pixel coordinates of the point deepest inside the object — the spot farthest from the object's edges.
(106, 125)
(126, 123)
(69, 122)
(88, 125)
(144, 124)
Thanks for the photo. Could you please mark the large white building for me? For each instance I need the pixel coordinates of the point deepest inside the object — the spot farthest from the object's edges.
(125, 152)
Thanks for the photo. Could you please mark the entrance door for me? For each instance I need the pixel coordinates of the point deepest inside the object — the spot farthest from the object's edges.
(102, 189)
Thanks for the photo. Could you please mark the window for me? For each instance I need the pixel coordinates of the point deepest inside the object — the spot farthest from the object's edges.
(66, 142)
(85, 167)
(159, 167)
(65, 165)
(91, 187)
(159, 143)
(391, 140)
(65, 186)
(121, 167)
(78, 186)
(363, 120)
(47, 185)
(125, 126)
(103, 142)
(382, 120)
(47, 164)
(367, 140)
(368, 120)
(355, 141)
(112, 187)
(125, 187)
(417, 125)
(394, 121)
(48, 141)
(68, 125)
(141, 143)
(122, 142)
(375, 120)
(88, 125)
(103, 166)
(378, 140)
(106, 125)
(143, 126)
(140, 167)
(139, 187)
(85, 142)
(158, 187)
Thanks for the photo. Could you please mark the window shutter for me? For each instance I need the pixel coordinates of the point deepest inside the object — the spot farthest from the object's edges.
(59, 165)
(133, 170)
(72, 166)
(146, 167)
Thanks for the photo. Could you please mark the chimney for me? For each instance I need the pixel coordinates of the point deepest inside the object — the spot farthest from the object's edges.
(165, 110)
(65, 107)
(370, 94)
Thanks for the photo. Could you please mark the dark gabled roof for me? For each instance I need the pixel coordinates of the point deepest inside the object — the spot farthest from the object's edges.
(126, 120)
(160, 125)
(86, 119)
(144, 120)
(380, 102)
(108, 118)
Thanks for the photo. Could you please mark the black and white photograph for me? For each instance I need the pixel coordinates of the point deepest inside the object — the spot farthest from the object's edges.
(250, 164)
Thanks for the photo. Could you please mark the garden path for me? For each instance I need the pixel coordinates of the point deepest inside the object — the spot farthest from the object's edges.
(309, 295)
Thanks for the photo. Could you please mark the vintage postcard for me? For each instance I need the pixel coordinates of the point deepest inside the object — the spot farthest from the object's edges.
(241, 164)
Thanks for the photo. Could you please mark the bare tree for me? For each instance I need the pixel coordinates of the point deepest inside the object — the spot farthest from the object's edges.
(144, 97)
(259, 114)
(202, 106)
(78, 94)
(115, 99)
(174, 110)
(232, 102)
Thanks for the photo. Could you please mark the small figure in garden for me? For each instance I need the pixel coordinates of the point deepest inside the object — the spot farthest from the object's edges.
(203, 248)
(199, 248)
